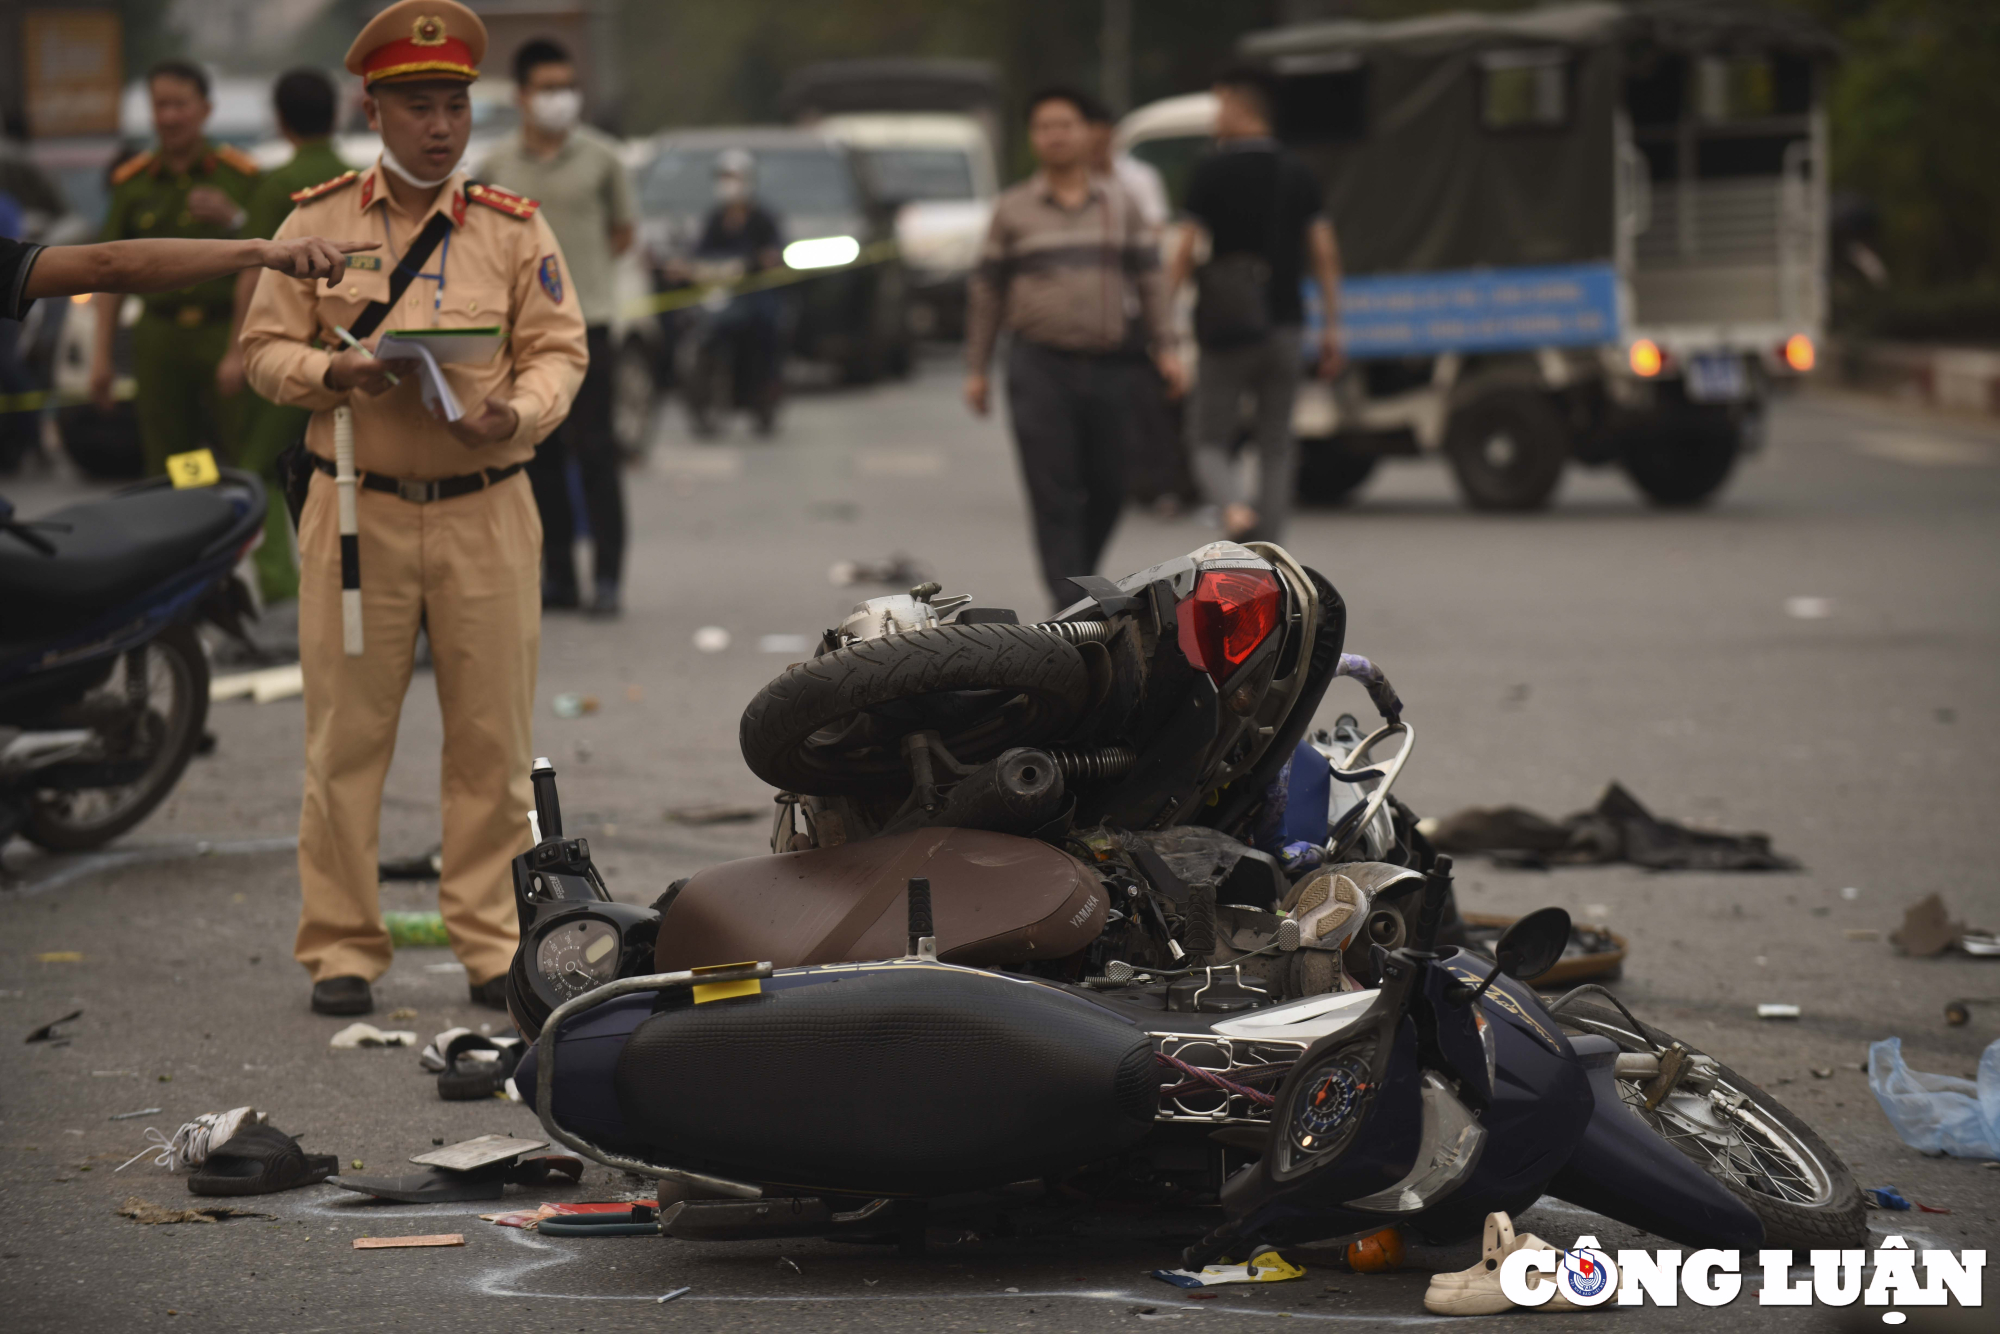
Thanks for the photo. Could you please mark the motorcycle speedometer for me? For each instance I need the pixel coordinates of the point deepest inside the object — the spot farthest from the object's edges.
(577, 954)
(1330, 1104)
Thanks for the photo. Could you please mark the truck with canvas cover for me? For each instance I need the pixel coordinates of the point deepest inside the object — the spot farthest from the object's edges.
(1590, 232)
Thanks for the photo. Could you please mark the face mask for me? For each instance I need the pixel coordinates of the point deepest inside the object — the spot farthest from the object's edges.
(557, 110)
(389, 161)
(731, 189)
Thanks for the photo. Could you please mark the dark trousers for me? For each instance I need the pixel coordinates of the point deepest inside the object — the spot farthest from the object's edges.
(1068, 413)
(586, 437)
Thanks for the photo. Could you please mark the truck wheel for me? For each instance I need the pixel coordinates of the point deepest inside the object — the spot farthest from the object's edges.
(1329, 472)
(1508, 448)
(1680, 459)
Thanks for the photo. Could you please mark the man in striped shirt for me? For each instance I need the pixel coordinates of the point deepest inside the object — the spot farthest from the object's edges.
(1067, 255)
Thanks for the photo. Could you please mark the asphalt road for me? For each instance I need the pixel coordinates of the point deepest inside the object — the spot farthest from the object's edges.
(1541, 657)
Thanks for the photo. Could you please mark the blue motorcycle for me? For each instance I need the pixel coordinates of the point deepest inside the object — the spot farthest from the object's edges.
(1084, 972)
(103, 679)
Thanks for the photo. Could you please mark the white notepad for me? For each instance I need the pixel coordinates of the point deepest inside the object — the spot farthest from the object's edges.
(469, 347)
(437, 392)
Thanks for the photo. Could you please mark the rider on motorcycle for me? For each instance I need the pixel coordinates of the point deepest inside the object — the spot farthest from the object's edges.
(742, 231)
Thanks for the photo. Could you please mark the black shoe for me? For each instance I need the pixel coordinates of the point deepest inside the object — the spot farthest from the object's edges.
(492, 994)
(560, 597)
(605, 606)
(342, 995)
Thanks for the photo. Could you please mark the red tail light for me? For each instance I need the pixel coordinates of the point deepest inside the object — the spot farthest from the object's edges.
(1229, 614)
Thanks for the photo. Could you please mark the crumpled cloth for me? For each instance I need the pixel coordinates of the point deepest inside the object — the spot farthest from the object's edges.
(1938, 1113)
(1617, 829)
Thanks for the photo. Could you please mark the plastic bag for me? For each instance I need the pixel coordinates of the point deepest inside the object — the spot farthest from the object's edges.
(1938, 1113)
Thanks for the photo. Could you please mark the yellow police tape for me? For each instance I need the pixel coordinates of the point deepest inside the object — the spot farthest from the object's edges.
(36, 400)
(681, 298)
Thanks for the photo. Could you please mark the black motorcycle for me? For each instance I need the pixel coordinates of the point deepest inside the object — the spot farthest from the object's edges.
(103, 680)
(1041, 918)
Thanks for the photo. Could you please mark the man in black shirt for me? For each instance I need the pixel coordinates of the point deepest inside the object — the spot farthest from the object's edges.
(740, 228)
(29, 271)
(1261, 211)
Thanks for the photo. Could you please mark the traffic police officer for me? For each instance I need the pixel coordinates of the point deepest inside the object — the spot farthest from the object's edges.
(448, 536)
(186, 186)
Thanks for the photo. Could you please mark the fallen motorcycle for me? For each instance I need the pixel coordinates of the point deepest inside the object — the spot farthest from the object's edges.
(1078, 906)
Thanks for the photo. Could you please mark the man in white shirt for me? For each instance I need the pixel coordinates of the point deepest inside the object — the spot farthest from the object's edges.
(585, 194)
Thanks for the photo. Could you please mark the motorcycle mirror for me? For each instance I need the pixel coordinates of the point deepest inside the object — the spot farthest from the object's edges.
(1527, 949)
(1531, 946)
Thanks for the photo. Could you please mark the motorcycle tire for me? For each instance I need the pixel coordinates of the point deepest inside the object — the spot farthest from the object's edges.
(1791, 1158)
(52, 822)
(804, 733)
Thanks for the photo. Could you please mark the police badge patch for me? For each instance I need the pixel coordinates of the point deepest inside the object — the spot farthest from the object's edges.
(551, 276)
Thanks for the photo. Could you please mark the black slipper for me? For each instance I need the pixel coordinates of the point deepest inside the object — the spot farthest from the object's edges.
(467, 1078)
(259, 1160)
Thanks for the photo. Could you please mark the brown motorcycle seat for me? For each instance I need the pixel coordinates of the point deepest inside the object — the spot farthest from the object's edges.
(995, 899)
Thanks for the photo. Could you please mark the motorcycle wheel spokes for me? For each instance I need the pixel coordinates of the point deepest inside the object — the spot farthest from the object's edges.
(1757, 1155)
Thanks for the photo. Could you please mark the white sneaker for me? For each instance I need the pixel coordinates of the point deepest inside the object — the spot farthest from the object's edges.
(1476, 1291)
(1329, 911)
(194, 1141)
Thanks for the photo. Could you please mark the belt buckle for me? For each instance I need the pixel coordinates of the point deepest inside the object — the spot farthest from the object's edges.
(417, 493)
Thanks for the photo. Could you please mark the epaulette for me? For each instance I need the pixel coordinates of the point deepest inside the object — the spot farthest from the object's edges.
(237, 160)
(131, 167)
(345, 179)
(513, 205)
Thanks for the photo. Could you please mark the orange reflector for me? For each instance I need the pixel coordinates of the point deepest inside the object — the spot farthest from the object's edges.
(1646, 358)
(1799, 353)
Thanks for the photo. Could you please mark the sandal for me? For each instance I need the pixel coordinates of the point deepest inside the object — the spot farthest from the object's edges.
(476, 1066)
(259, 1160)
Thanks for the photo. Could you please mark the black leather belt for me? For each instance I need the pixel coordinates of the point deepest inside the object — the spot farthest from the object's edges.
(423, 493)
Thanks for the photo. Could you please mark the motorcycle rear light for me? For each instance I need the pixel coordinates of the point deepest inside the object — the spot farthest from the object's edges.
(1646, 359)
(1227, 616)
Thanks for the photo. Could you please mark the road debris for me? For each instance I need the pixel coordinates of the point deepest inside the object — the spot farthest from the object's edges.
(1885, 1197)
(899, 570)
(416, 930)
(264, 686)
(663, 1298)
(367, 1035)
(145, 1211)
(48, 1030)
(60, 956)
(713, 812)
(1617, 829)
(1777, 1010)
(1263, 1267)
(400, 1243)
(573, 706)
(1938, 1113)
(133, 1116)
(711, 639)
(1808, 608)
(427, 867)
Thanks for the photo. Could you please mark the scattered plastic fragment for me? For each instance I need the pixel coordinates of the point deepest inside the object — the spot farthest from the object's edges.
(711, 639)
(1980, 944)
(669, 1296)
(1777, 1010)
(1822, 1074)
(367, 1035)
(60, 956)
(1885, 1197)
(790, 1263)
(48, 1030)
(1938, 1113)
(568, 705)
(1263, 1267)
(1377, 1252)
(1850, 893)
(133, 1116)
(264, 686)
(398, 1243)
(1929, 1209)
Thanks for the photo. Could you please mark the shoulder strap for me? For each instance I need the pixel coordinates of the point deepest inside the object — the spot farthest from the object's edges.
(404, 274)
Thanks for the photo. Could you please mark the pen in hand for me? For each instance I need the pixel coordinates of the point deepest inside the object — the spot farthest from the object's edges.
(363, 349)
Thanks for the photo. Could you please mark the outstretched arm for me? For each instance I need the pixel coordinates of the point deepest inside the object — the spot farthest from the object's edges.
(164, 264)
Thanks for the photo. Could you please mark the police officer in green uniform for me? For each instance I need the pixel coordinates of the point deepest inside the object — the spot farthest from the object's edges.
(185, 187)
(304, 99)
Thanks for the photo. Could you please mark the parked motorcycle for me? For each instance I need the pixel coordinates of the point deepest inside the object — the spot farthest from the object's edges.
(1078, 906)
(103, 680)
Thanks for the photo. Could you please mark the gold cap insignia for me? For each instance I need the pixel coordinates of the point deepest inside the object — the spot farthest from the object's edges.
(428, 30)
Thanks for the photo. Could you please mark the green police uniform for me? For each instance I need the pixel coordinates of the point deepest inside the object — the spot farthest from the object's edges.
(265, 428)
(182, 335)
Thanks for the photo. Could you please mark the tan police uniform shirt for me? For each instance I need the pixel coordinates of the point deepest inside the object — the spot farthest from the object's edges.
(500, 264)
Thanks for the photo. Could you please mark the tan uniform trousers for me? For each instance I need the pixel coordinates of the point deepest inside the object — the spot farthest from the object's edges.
(471, 568)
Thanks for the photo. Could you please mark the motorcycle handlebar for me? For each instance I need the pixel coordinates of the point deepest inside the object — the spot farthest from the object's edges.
(1380, 692)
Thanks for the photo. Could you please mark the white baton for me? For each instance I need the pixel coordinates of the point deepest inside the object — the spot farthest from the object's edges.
(350, 540)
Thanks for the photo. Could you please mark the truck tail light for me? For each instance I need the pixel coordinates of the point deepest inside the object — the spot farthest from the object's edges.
(1227, 616)
(1800, 353)
(1646, 359)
